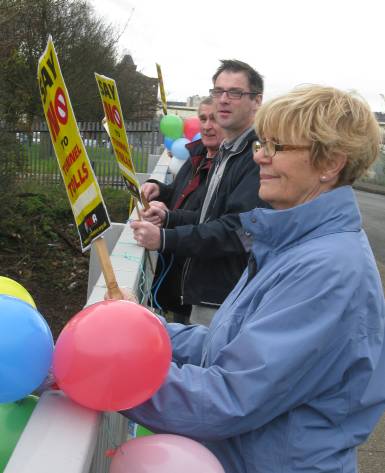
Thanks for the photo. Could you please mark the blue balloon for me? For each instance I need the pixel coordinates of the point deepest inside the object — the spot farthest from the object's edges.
(26, 349)
(168, 142)
(196, 137)
(179, 150)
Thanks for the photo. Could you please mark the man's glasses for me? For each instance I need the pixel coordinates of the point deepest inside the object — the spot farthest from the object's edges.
(270, 148)
(234, 94)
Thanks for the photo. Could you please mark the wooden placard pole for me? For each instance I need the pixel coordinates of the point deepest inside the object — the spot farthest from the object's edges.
(113, 289)
(144, 201)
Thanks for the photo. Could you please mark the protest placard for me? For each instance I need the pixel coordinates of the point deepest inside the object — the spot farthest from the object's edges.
(114, 124)
(161, 89)
(81, 185)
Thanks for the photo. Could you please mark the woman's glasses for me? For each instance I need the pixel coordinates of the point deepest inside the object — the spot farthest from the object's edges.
(270, 147)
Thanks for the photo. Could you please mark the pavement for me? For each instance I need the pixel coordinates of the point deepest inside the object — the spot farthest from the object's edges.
(371, 455)
(369, 187)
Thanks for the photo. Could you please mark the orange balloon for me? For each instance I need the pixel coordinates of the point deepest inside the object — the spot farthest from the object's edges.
(111, 356)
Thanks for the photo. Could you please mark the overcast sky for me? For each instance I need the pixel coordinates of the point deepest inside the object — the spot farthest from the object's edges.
(331, 42)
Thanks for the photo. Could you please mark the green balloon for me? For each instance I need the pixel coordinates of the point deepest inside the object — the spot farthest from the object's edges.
(13, 419)
(142, 431)
(171, 126)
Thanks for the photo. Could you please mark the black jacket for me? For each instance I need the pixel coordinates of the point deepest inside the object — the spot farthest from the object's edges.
(168, 295)
(216, 255)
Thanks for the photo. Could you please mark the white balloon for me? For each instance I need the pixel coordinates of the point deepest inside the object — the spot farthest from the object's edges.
(175, 165)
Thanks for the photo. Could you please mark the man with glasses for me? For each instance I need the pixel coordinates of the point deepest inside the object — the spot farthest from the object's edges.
(211, 238)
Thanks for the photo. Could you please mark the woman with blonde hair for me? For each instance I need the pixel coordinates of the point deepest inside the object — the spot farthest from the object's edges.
(290, 375)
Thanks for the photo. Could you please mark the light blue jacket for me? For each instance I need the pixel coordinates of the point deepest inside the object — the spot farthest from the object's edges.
(290, 376)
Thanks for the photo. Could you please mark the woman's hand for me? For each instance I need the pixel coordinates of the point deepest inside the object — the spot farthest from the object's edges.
(127, 295)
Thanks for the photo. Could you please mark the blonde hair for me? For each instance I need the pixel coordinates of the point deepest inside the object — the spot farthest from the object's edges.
(332, 121)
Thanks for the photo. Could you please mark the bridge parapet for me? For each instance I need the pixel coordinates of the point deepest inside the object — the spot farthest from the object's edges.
(62, 436)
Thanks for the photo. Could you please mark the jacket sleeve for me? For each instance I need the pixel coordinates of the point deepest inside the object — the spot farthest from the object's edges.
(291, 348)
(181, 217)
(187, 342)
(217, 237)
(166, 191)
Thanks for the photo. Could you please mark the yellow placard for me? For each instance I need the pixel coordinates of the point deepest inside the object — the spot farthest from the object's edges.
(161, 88)
(82, 188)
(114, 124)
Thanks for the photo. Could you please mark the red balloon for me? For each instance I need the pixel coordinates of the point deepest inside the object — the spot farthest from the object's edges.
(191, 127)
(112, 355)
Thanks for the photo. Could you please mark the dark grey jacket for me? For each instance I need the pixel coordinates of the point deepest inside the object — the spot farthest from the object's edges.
(216, 255)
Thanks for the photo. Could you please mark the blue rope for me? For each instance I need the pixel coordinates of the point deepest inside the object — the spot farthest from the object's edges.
(156, 280)
(160, 279)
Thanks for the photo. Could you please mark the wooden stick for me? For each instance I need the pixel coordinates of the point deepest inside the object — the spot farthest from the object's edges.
(113, 289)
(144, 201)
(131, 204)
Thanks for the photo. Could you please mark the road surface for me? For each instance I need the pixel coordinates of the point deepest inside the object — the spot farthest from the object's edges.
(371, 455)
(372, 208)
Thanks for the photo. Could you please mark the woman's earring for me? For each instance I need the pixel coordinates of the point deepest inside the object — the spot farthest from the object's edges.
(323, 178)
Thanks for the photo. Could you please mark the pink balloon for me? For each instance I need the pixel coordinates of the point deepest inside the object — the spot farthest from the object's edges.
(164, 453)
(112, 355)
(191, 127)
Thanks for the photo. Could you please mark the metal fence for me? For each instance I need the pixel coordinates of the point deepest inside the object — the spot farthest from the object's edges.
(39, 163)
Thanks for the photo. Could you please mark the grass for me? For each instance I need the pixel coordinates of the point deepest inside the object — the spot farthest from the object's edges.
(39, 159)
(40, 247)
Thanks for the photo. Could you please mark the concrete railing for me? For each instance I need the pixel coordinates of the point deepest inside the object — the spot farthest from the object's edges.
(62, 436)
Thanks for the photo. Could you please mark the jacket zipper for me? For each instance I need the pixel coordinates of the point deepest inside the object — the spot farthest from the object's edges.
(184, 276)
(188, 260)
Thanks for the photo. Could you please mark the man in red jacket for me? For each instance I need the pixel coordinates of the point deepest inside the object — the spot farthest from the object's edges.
(185, 192)
(173, 195)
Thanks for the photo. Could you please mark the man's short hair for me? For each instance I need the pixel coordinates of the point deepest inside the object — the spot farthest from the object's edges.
(233, 65)
(205, 101)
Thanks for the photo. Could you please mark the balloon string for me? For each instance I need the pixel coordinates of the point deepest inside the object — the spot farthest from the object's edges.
(162, 275)
(144, 285)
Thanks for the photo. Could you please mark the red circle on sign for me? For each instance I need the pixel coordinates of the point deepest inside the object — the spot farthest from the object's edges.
(116, 115)
(61, 109)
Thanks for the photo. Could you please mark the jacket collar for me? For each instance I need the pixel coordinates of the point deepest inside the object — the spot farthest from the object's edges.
(331, 212)
(196, 148)
(238, 144)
